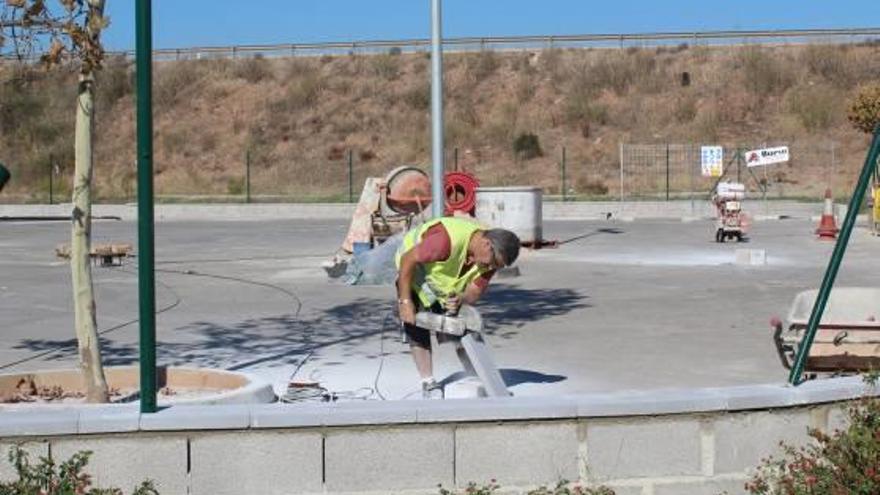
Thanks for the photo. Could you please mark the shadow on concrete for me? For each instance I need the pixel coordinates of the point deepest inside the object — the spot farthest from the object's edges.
(506, 306)
(281, 340)
(511, 377)
(366, 328)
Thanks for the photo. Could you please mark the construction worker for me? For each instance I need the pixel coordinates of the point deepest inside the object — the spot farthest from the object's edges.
(443, 264)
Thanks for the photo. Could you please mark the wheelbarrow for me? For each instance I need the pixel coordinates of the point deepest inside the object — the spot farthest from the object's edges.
(848, 336)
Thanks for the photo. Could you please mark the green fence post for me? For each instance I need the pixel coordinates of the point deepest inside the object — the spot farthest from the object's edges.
(797, 368)
(564, 196)
(51, 160)
(146, 235)
(5, 175)
(247, 175)
(667, 171)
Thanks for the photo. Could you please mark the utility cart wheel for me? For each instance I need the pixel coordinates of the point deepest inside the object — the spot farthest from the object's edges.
(719, 235)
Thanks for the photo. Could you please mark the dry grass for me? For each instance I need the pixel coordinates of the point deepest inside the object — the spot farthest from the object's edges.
(297, 118)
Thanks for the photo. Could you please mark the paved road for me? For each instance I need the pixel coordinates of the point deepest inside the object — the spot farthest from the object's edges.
(629, 305)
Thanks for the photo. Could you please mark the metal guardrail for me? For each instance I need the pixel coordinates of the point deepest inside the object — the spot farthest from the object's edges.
(522, 42)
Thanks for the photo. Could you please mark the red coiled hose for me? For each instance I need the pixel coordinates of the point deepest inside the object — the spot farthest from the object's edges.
(460, 189)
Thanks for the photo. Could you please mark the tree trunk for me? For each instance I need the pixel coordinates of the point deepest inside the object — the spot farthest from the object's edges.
(80, 245)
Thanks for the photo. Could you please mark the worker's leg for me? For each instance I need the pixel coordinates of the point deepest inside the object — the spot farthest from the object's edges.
(420, 347)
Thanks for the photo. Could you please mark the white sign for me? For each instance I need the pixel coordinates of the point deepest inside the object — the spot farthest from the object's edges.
(758, 158)
(712, 161)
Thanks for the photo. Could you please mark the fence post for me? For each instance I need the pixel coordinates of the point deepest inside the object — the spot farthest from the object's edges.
(564, 197)
(620, 152)
(247, 176)
(51, 192)
(350, 176)
(667, 171)
(455, 159)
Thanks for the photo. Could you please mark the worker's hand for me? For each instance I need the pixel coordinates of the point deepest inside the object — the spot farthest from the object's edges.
(407, 311)
(453, 304)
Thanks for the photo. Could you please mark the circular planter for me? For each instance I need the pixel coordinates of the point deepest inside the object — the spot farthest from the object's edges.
(177, 386)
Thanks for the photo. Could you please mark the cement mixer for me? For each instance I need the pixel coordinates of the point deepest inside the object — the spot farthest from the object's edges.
(387, 206)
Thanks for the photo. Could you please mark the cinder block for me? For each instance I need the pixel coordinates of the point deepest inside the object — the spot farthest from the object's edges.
(517, 453)
(761, 396)
(496, 408)
(388, 459)
(625, 489)
(830, 390)
(838, 419)
(369, 413)
(702, 487)
(38, 423)
(34, 451)
(652, 402)
(267, 463)
(643, 447)
(287, 415)
(124, 462)
(197, 418)
(742, 440)
(109, 419)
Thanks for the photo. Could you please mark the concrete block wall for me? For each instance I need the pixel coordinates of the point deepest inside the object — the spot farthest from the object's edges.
(411, 447)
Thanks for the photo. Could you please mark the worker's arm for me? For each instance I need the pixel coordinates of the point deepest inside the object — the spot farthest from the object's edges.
(471, 295)
(406, 307)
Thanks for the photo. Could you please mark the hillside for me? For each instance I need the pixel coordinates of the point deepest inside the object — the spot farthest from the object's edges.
(295, 119)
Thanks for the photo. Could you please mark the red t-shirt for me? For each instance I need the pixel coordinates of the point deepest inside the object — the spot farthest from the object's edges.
(437, 246)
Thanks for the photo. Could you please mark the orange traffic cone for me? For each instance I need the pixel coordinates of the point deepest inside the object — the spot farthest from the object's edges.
(827, 228)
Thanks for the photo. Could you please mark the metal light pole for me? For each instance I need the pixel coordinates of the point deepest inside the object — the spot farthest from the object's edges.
(437, 196)
(146, 258)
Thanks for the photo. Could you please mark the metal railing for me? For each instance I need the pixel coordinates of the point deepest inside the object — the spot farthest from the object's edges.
(620, 40)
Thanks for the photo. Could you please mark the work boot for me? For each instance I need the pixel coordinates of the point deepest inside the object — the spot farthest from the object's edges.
(431, 389)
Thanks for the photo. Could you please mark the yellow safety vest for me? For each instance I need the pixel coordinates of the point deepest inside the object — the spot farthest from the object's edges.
(439, 279)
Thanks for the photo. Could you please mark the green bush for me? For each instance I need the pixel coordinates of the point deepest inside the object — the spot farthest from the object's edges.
(386, 66)
(235, 186)
(814, 106)
(561, 488)
(829, 62)
(864, 110)
(67, 478)
(418, 97)
(254, 69)
(172, 82)
(527, 146)
(843, 462)
(764, 74)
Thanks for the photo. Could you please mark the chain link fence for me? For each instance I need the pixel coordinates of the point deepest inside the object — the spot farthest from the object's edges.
(638, 172)
(674, 171)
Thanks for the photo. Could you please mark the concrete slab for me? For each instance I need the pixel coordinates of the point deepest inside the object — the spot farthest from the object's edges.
(648, 304)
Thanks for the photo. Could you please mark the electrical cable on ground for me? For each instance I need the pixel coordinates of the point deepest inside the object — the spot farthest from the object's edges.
(177, 301)
(304, 393)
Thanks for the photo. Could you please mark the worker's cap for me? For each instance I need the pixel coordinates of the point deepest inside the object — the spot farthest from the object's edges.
(505, 244)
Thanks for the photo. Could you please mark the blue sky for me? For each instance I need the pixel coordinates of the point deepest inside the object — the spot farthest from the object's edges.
(185, 23)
